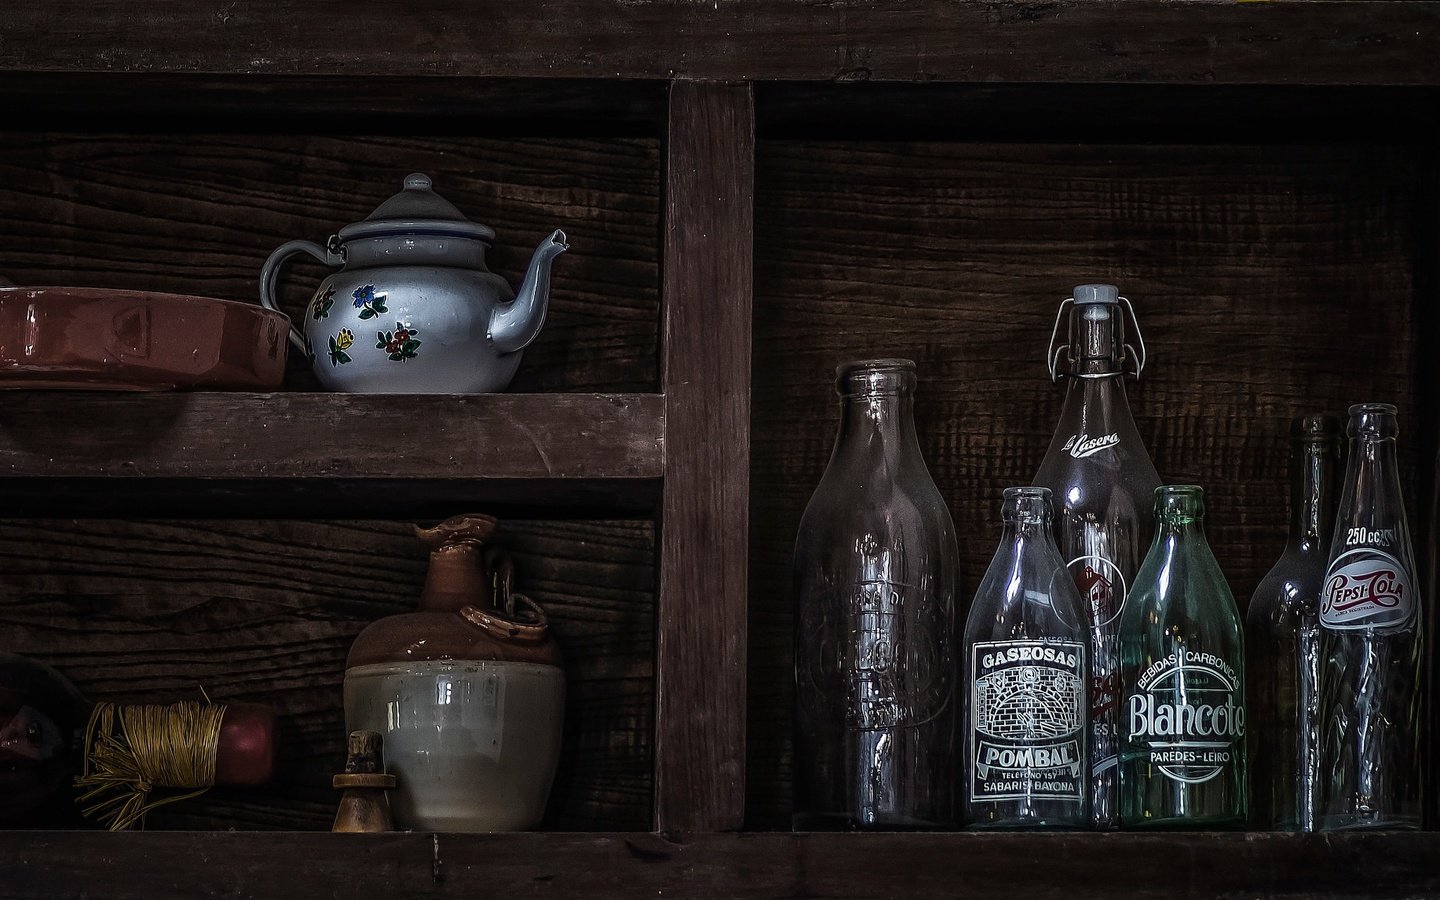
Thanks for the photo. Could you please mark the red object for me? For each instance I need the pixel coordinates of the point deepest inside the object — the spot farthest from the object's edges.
(247, 746)
(101, 339)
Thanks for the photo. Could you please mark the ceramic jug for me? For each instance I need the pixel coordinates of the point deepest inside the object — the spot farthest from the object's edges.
(413, 308)
(468, 693)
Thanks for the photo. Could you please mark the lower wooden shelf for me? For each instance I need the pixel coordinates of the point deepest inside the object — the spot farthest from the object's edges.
(759, 865)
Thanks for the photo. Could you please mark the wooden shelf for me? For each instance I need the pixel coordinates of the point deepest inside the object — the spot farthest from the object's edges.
(1163, 41)
(327, 455)
(1062, 866)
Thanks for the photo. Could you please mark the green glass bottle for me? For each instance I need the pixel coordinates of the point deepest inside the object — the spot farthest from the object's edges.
(1182, 657)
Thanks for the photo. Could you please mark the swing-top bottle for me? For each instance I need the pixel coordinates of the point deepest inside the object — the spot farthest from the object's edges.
(1103, 484)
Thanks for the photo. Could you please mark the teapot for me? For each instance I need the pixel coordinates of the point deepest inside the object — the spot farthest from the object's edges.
(413, 308)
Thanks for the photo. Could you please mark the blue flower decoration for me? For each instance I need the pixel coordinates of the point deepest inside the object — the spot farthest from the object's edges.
(364, 296)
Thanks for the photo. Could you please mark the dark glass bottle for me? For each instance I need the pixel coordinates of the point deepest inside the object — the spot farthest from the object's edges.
(1027, 703)
(1103, 484)
(1371, 702)
(1182, 761)
(1282, 642)
(876, 568)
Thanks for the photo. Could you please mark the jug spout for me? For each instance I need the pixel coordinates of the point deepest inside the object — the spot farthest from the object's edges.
(515, 324)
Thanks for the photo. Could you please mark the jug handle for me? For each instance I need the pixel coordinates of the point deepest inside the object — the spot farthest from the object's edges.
(270, 278)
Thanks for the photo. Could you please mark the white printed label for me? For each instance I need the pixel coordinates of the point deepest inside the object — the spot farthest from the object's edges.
(1187, 715)
(1026, 710)
(1082, 445)
(1365, 588)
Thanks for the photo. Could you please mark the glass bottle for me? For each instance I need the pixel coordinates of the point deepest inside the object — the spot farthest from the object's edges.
(1370, 616)
(1027, 703)
(1103, 484)
(1282, 642)
(1182, 759)
(876, 568)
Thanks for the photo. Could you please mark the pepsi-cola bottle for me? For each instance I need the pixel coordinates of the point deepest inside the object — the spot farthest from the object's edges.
(1370, 617)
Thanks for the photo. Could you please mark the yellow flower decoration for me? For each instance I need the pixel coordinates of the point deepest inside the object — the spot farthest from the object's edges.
(344, 339)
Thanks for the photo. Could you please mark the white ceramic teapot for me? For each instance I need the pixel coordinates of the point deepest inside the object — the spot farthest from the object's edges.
(413, 308)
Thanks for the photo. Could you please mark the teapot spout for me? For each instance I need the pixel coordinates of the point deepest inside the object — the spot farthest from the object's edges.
(515, 324)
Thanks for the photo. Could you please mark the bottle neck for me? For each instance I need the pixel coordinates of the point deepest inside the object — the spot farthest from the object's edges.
(1026, 530)
(1312, 517)
(1096, 408)
(1095, 341)
(1373, 473)
(883, 421)
(1179, 513)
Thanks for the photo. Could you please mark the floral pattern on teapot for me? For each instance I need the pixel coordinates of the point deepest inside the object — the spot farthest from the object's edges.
(323, 301)
(339, 344)
(368, 302)
(400, 344)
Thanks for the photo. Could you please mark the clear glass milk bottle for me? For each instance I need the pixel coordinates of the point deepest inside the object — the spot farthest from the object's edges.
(1103, 484)
(1026, 676)
(1282, 642)
(876, 567)
(1182, 760)
(1370, 613)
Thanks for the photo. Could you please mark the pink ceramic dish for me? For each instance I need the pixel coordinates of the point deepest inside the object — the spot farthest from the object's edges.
(101, 339)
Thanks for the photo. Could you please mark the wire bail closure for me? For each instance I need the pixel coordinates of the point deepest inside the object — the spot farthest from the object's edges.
(1128, 353)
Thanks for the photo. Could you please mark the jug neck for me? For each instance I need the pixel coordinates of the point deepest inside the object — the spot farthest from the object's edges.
(458, 577)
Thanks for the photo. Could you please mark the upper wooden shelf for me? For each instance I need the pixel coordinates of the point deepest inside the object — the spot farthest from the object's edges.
(328, 455)
(1154, 41)
(1061, 866)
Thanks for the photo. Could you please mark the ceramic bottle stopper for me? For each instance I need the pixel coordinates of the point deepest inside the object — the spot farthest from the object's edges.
(364, 807)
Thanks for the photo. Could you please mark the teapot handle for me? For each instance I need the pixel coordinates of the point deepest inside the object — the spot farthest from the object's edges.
(270, 277)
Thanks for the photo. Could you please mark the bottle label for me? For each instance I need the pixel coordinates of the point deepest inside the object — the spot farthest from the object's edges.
(1364, 588)
(880, 649)
(1026, 710)
(1187, 715)
(1082, 445)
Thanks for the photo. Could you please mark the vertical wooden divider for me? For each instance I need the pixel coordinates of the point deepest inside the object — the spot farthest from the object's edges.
(1427, 323)
(703, 540)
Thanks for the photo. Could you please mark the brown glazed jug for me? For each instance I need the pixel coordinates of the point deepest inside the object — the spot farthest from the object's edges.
(468, 692)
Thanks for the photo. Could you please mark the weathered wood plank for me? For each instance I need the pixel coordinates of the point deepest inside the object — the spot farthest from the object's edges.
(143, 101)
(1425, 521)
(1270, 281)
(1183, 41)
(322, 435)
(266, 611)
(760, 866)
(700, 740)
(1140, 112)
(197, 213)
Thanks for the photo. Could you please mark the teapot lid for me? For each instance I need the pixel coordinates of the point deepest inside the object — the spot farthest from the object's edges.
(417, 210)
